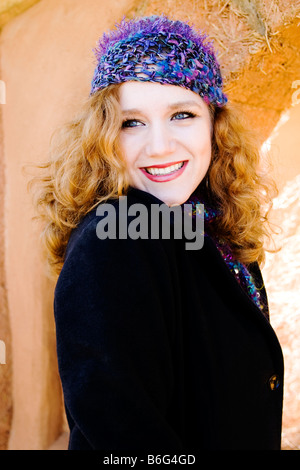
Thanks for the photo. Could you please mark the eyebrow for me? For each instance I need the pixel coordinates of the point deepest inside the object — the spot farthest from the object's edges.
(178, 104)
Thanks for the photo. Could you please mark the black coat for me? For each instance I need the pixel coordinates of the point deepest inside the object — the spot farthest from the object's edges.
(160, 349)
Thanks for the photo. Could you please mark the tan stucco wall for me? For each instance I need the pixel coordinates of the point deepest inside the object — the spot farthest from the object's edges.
(285, 144)
(47, 64)
(9, 9)
(5, 337)
(281, 271)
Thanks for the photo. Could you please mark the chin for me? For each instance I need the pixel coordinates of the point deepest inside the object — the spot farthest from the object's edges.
(174, 200)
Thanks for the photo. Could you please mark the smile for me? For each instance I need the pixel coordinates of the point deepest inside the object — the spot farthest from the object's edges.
(162, 173)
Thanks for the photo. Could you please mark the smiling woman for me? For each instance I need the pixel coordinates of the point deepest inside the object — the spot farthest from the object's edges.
(165, 138)
(161, 348)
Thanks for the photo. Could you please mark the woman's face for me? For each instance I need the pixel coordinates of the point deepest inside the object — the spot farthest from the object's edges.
(165, 139)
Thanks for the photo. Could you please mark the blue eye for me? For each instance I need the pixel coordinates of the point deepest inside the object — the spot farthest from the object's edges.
(183, 115)
(131, 123)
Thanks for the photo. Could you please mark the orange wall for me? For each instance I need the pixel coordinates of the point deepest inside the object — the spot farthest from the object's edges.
(47, 65)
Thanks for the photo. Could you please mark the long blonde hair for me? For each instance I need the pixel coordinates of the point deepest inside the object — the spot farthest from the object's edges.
(86, 167)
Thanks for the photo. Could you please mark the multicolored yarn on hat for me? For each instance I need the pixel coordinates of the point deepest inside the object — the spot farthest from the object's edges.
(161, 50)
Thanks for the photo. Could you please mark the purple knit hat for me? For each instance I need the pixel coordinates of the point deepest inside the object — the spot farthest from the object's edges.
(157, 49)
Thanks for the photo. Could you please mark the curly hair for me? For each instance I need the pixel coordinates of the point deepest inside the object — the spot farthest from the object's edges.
(86, 167)
(239, 183)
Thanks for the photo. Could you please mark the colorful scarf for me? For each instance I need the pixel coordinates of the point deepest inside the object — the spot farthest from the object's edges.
(238, 269)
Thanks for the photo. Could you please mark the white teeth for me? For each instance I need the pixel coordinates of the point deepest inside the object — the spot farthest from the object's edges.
(164, 171)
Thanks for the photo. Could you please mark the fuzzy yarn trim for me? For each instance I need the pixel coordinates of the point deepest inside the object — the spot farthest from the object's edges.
(160, 50)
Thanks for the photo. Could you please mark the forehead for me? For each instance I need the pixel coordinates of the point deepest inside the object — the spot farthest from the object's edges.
(143, 95)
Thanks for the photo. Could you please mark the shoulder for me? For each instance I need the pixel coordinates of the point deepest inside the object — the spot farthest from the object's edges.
(113, 270)
(117, 207)
(98, 242)
(119, 211)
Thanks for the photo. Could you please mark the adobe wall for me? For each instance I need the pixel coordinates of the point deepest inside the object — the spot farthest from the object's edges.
(5, 337)
(47, 63)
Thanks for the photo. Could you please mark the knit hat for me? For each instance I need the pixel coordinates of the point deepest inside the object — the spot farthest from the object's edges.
(157, 49)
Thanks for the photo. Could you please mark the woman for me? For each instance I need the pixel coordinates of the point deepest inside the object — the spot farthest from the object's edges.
(161, 348)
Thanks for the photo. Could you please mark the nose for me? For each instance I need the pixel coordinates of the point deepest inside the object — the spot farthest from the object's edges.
(160, 141)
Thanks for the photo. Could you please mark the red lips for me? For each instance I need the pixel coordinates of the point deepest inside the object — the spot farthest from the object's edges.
(164, 165)
(164, 178)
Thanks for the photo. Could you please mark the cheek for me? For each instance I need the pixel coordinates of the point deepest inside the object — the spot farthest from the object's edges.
(203, 147)
(130, 152)
(127, 149)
